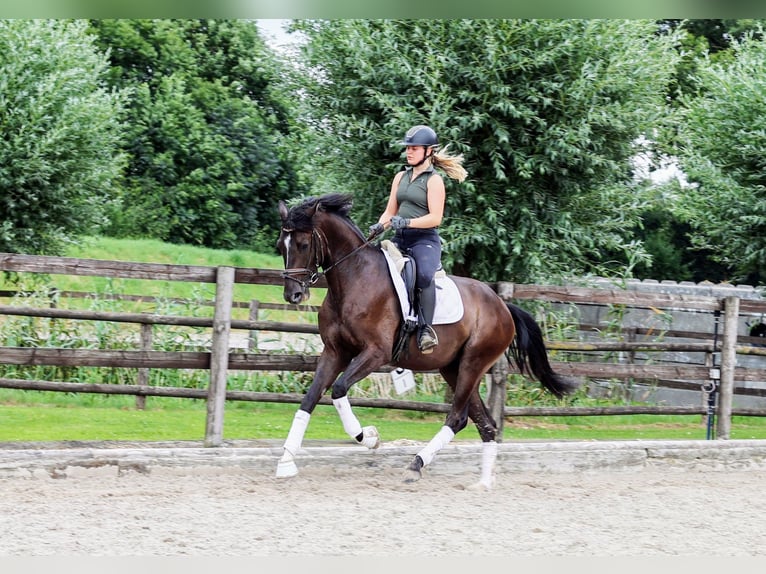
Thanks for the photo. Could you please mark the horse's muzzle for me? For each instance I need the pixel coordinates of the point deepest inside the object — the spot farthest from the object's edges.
(296, 296)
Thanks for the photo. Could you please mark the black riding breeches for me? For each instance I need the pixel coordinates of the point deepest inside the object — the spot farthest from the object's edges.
(424, 246)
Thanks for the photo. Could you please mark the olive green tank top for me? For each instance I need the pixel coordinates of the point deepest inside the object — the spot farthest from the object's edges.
(412, 196)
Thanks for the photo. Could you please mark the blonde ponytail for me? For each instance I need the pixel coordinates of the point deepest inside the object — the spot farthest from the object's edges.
(452, 165)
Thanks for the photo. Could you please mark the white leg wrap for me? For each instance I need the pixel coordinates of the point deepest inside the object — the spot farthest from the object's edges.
(442, 439)
(286, 466)
(488, 456)
(297, 430)
(347, 417)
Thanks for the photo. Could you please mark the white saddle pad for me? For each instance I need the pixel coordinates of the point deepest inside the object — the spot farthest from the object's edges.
(449, 304)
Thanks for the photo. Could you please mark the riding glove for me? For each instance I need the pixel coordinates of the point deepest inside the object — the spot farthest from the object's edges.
(398, 222)
(376, 229)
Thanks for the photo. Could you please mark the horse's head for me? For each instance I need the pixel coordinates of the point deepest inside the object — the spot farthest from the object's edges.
(296, 244)
(303, 241)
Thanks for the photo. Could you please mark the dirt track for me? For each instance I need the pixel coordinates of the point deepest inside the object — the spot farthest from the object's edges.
(327, 510)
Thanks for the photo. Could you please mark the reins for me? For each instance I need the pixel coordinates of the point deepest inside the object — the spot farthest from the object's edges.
(315, 274)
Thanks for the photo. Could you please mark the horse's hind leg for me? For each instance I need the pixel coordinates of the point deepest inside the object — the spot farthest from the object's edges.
(457, 418)
(487, 428)
(466, 402)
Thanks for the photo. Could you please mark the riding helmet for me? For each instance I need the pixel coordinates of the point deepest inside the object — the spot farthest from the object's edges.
(421, 135)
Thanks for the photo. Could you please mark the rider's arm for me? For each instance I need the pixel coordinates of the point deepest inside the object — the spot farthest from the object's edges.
(392, 207)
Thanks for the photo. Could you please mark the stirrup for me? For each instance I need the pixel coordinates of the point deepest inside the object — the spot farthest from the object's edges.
(427, 340)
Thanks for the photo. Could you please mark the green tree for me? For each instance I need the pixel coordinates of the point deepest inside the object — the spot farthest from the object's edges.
(59, 135)
(209, 131)
(665, 237)
(704, 38)
(721, 142)
(546, 113)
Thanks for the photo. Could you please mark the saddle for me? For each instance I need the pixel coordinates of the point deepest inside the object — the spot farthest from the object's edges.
(407, 268)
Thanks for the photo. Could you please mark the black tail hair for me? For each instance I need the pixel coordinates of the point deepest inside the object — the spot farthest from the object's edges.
(530, 355)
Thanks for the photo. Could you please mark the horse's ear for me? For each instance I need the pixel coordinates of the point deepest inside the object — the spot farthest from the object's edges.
(312, 209)
(282, 210)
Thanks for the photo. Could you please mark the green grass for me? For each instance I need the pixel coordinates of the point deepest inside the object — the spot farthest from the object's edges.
(39, 417)
(170, 419)
(153, 251)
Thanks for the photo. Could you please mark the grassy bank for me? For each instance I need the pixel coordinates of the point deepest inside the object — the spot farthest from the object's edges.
(153, 251)
(27, 416)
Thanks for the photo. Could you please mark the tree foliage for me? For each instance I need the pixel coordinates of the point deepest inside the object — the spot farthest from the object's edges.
(721, 142)
(208, 127)
(546, 113)
(59, 135)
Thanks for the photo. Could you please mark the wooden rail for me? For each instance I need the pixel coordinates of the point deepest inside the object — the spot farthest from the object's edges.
(221, 359)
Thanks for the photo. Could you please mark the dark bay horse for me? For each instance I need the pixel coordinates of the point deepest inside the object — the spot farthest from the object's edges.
(359, 321)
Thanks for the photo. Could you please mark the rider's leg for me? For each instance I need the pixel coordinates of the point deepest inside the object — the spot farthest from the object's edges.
(427, 254)
(427, 338)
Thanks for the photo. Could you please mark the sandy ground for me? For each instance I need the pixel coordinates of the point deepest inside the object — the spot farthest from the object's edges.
(372, 512)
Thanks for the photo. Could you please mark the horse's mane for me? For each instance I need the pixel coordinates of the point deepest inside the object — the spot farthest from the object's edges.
(340, 204)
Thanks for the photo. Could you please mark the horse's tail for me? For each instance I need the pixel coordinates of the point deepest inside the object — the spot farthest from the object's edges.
(529, 354)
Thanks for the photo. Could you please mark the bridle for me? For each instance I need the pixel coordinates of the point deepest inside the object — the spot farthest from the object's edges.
(318, 246)
(312, 274)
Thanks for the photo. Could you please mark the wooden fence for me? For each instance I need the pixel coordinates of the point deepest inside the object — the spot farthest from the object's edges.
(718, 376)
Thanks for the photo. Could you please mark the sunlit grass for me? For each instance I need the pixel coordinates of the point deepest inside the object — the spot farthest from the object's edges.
(105, 418)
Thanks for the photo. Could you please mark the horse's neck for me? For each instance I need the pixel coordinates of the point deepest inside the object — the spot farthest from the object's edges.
(356, 274)
(355, 267)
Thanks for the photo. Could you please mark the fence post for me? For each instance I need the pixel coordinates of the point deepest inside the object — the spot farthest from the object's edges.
(219, 356)
(252, 336)
(497, 391)
(143, 372)
(728, 362)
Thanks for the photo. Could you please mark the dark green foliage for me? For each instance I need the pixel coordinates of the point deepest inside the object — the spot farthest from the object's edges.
(721, 143)
(546, 113)
(59, 135)
(207, 131)
(673, 257)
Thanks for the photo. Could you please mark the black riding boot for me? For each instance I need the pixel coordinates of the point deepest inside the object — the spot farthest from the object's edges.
(427, 338)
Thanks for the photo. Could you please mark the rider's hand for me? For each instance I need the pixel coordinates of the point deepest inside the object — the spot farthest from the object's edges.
(398, 222)
(376, 229)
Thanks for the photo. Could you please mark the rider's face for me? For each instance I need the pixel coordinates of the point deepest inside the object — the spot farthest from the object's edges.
(415, 154)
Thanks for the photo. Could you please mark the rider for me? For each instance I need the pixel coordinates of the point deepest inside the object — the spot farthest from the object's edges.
(414, 210)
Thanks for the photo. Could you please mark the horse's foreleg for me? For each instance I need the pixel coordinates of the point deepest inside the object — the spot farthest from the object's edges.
(286, 466)
(360, 366)
(327, 369)
(366, 436)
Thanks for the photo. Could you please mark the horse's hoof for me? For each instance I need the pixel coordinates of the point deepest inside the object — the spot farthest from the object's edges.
(482, 485)
(414, 471)
(411, 475)
(286, 468)
(370, 437)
